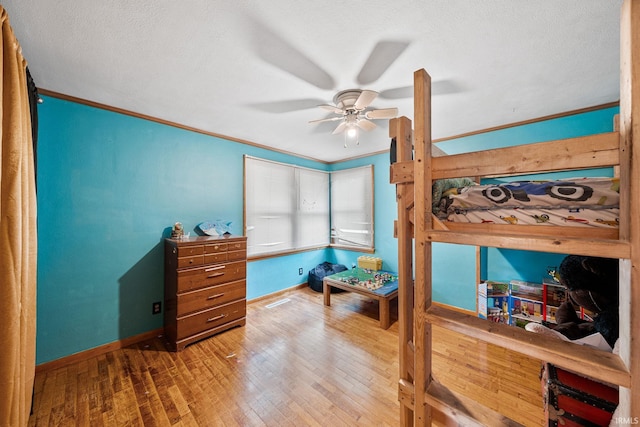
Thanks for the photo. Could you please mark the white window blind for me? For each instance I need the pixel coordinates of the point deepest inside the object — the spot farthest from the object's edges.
(286, 207)
(352, 207)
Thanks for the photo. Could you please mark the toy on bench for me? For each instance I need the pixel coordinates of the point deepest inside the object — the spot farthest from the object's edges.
(368, 279)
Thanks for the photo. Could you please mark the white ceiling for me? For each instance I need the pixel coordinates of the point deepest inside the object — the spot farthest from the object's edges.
(256, 70)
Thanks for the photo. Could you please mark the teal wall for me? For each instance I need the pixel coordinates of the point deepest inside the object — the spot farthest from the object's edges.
(110, 186)
(576, 125)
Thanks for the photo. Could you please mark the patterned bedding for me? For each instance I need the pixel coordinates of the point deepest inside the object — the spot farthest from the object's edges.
(579, 202)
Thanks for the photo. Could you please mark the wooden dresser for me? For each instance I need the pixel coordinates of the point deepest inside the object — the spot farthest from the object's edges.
(204, 287)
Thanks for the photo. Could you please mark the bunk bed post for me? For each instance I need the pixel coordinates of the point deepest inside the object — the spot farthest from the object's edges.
(400, 129)
(629, 123)
(422, 224)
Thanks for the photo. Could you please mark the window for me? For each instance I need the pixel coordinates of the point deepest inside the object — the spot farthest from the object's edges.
(352, 207)
(286, 207)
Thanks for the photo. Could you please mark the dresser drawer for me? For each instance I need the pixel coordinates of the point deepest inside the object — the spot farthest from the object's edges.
(215, 257)
(190, 261)
(237, 255)
(216, 247)
(212, 296)
(211, 318)
(210, 275)
(237, 246)
(190, 250)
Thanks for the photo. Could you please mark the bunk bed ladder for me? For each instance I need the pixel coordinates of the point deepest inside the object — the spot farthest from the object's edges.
(400, 129)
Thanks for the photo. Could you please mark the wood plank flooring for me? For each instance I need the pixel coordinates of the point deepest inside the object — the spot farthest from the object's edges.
(493, 376)
(297, 363)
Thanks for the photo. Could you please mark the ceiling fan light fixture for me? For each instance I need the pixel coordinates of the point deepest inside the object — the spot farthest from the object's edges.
(351, 136)
(351, 129)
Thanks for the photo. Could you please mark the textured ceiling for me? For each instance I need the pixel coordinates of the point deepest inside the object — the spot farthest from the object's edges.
(256, 70)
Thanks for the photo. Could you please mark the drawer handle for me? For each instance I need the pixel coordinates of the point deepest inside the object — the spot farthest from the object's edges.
(213, 319)
(215, 296)
(219, 267)
(211, 276)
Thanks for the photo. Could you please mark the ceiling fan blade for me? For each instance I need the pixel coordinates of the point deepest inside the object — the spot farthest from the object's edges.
(366, 97)
(331, 119)
(286, 106)
(439, 87)
(384, 113)
(366, 125)
(341, 128)
(278, 52)
(445, 87)
(397, 93)
(331, 108)
(324, 128)
(382, 56)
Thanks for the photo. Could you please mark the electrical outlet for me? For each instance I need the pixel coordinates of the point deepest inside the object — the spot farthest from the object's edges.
(156, 307)
(300, 271)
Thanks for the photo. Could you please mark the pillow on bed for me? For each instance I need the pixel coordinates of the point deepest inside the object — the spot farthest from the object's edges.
(441, 187)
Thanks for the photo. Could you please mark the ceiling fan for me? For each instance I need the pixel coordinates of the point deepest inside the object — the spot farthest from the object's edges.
(351, 108)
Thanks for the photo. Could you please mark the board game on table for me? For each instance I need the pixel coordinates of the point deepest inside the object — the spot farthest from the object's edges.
(380, 285)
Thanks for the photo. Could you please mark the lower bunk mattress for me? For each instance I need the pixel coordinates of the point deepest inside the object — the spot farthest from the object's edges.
(573, 400)
(575, 202)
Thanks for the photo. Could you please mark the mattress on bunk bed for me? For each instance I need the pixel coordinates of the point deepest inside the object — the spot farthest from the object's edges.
(591, 202)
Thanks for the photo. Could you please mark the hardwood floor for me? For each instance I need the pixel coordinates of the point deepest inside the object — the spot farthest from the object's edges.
(496, 377)
(295, 363)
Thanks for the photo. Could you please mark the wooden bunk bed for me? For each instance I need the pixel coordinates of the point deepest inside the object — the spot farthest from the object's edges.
(414, 172)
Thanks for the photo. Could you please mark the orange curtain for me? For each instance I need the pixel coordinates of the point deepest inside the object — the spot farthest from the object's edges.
(18, 239)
